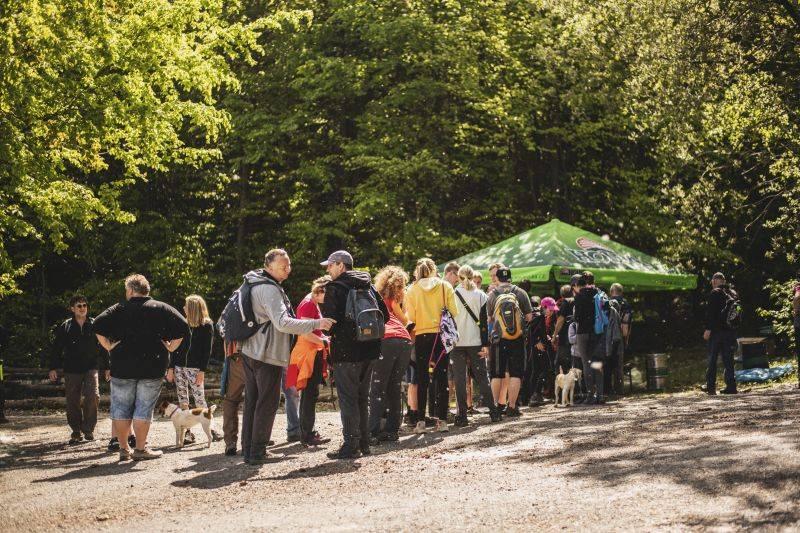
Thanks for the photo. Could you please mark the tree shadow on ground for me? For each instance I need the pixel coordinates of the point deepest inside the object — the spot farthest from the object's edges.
(743, 447)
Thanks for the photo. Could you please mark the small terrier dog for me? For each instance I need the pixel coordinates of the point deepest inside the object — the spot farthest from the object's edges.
(185, 419)
(565, 383)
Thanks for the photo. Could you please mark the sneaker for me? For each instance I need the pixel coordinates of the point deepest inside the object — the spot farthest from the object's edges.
(494, 414)
(513, 412)
(600, 400)
(113, 444)
(729, 391)
(345, 451)
(189, 438)
(132, 441)
(125, 455)
(88, 437)
(501, 408)
(75, 438)
(430, 422)
(461, 422)
(216, 436)
(442, 427)
(230, 451)
(146, 454)
(410, 418)
(314, 439)
(420, 427)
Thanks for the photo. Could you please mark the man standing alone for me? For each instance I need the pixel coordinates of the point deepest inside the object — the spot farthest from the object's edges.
(76, 351)
(720, 336)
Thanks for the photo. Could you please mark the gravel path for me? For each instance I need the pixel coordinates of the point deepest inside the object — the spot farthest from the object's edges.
(666, 463)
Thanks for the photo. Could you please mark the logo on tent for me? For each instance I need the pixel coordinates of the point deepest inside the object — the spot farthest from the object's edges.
(588, 244)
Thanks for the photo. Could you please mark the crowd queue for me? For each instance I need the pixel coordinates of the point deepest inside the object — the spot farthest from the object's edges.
(422, 337)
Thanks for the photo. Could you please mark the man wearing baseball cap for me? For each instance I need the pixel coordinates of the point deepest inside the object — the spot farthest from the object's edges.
(351, 359)
(508, 355)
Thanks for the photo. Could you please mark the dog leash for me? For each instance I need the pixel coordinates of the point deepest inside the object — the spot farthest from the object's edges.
(174, 411)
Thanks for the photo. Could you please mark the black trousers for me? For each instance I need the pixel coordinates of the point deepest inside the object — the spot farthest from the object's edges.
(352, 388)
(429, 346)
(308, 398)
(262, 395)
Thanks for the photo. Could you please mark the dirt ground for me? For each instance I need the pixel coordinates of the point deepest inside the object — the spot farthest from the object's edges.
(676, 462)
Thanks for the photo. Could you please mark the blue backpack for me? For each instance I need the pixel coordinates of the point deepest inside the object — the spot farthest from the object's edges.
(600, 314)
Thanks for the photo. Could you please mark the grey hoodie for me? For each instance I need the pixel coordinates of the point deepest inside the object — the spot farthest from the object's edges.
(273, 344)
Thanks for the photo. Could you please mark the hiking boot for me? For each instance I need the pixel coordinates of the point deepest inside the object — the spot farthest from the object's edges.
(125, 455)
(513, 412)
(216, 436)
(189, 438)
(501, 408)
(363, 445)
(88, 437)
(75, 438)
(442, 427)
(420, 427)
(230, 451)
(728, 391)
(146, 454)
(113, 444)
(600, 400)
(494, 414)
(410, 418)
(132, 441)
(461, 422)
(536, 400)
(345, 451)
(260, 458)
(314, 439)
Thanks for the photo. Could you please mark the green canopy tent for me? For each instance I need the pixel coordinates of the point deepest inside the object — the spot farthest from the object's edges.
(550, 254)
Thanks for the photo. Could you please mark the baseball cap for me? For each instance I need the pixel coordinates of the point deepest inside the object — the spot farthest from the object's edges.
(339, 256)
(503, 274)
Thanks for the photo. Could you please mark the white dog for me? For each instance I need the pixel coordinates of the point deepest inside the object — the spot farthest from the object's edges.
(565, 383)
(185, 419)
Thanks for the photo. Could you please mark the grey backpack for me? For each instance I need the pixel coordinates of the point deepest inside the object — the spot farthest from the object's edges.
(362, 310)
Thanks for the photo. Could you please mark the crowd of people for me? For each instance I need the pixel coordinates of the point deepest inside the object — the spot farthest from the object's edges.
(422, 336)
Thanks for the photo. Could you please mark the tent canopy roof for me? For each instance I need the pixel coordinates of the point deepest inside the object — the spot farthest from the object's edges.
(554, 251)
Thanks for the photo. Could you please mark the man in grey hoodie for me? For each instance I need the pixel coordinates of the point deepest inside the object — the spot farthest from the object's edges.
(268, 352)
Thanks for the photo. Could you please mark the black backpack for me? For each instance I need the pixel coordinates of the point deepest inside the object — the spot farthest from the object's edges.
(362, 309)
(238, 321)
(732, 310)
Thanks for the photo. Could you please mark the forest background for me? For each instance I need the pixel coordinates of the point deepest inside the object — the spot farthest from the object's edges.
(183, 138)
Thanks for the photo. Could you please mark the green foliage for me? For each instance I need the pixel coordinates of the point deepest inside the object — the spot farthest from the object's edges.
(182, 139)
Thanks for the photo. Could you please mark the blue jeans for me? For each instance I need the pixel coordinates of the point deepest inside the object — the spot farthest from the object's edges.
(721, 343)
(292, 408)
(134, 399)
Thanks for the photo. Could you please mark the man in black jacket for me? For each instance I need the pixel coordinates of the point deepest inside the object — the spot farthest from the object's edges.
(140, 334)
(351, 360)
(587, 341)
(76, 351)
(719, 335)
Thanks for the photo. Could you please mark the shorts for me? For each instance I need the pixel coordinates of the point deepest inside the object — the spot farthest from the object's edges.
(508, 357)
(411, 374)
(134, 399)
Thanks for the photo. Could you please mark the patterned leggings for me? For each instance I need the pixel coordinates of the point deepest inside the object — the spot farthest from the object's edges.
(185, 382)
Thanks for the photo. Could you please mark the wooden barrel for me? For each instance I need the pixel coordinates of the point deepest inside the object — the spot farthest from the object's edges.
(657, 371)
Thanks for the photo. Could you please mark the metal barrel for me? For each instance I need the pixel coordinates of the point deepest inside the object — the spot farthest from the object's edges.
(657, 371)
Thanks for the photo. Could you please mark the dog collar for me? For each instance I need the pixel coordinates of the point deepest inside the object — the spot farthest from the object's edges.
(174, 411)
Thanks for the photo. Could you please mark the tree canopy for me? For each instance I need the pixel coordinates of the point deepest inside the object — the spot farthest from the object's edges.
(182, 139)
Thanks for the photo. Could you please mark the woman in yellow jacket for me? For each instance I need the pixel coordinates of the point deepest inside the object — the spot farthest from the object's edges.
(424, 303)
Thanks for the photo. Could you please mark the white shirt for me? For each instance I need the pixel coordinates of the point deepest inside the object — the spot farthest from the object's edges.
(469, 334)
